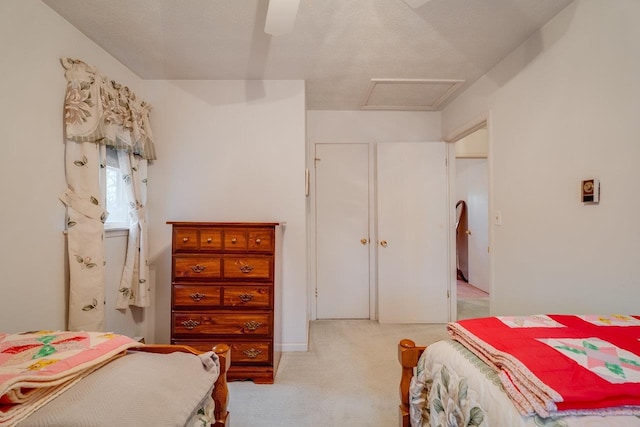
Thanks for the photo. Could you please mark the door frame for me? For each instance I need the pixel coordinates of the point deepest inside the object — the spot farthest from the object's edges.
(312, 230)
(483, 120)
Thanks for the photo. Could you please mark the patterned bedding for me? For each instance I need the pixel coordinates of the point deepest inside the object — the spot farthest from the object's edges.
(54, 378)
(454, 387)
(35, 367)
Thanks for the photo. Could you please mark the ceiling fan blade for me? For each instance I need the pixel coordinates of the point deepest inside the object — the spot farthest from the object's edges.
(281, 16)
(416, 3)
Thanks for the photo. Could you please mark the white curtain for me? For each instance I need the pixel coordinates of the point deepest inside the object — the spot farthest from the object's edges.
(85, 235)
(99, 113)
(134, 286)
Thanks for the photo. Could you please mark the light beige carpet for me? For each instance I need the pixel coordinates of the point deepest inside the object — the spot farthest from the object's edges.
(348, 378)
(469, 308)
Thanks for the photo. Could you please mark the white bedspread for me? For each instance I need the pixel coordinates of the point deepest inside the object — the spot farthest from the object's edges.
(140, 389)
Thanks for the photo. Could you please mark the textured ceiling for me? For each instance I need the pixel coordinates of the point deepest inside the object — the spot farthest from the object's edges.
(337, 46)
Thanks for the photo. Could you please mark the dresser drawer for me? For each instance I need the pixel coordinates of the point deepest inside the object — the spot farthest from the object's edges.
(247, 296)
(196, 296)
(197, 323)
(250, 352)
(191, 239)
(185, 239)
(210, 239)
(235, 239)
(238, 267)
(244, 352)
(196, 267)
(260, 240)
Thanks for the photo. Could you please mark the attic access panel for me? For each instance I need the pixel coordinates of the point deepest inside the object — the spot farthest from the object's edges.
(409, 94)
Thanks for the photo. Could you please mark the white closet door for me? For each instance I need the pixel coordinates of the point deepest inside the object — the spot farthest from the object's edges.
(342, 222)
(413, 243)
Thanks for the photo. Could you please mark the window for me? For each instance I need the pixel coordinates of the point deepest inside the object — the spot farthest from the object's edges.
(117, 201)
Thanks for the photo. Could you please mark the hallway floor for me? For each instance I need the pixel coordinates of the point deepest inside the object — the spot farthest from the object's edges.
(472, 302)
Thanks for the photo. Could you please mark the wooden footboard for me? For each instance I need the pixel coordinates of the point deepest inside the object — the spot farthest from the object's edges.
(408, 355)
(220, 392)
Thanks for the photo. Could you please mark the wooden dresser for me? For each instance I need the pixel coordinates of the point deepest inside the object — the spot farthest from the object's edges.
(223, 291)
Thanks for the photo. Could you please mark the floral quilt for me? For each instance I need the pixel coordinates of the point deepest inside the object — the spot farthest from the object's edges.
(37, 366)
(441, 398)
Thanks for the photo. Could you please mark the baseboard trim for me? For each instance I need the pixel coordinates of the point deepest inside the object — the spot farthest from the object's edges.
(291, 347)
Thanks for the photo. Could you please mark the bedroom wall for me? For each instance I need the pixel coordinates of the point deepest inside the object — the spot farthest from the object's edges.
(373, 126)
(564, 107)
(230, 151)
(33, 38)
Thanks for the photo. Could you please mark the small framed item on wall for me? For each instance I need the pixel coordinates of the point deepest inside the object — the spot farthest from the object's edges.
(590, 191)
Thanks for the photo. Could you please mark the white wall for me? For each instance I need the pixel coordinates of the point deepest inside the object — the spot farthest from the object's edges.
(475, 145)
(230, 151)
(33, 38)
(564, 107)
(244, 139)
(372, 126)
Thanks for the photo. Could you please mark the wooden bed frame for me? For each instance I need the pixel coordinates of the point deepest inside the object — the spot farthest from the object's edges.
(220, 392)
(408, 355)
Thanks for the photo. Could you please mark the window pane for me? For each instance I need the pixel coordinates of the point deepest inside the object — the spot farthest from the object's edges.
(117, 204)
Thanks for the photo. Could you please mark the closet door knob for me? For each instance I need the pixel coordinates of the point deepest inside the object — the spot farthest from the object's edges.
(363, 241)
(383, 243)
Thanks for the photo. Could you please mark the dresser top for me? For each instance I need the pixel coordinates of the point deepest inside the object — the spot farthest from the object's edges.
(223, 224)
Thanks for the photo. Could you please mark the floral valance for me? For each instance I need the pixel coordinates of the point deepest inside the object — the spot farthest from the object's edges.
(105, 112)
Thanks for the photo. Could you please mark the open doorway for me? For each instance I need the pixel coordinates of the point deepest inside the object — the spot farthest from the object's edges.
(472, 224)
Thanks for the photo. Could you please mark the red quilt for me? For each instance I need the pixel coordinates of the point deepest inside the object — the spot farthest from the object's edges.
(561, 364)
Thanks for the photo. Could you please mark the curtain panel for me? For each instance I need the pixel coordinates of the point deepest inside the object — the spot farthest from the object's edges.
(100, 113)
(134, 285)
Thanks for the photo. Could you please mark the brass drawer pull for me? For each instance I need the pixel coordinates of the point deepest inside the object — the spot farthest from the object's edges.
(190, 324)
(185, 239)
(258, 241)
(252, 353)
(246, 268)
(197, 297)
(245, 297)
(234, 241)
(209, 240)
(198, 268)
(252, 325)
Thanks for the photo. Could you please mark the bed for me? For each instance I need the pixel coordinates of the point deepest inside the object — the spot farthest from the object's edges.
(540, 370)
(70, 379)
